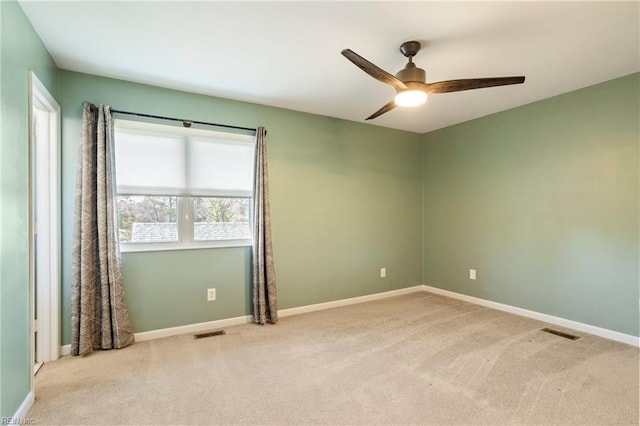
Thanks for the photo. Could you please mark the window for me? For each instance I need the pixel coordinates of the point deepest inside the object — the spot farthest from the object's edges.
(182, 187)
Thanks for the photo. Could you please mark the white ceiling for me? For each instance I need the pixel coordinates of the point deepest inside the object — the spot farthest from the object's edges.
(287, 54)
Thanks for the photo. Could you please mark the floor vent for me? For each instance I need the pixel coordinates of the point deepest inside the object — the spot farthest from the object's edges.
(560, 333)
(209, 334)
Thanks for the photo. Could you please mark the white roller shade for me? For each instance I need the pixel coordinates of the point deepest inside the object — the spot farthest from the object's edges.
(156, 159)
(227, 163)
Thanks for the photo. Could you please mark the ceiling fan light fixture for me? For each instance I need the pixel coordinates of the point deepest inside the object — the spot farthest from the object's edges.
(411, 82)
(410, 98)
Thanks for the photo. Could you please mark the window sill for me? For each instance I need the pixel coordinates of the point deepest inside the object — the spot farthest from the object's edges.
(175, 246)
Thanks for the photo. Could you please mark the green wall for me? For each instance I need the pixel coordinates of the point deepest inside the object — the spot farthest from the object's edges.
(345, 197)
(543, 200)
(20, 51)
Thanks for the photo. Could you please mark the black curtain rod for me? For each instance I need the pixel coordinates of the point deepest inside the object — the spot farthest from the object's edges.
(185, 123)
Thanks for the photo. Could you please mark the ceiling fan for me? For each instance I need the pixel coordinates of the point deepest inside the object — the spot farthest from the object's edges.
(410, 82)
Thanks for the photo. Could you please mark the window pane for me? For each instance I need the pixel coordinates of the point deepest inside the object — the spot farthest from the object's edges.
(218, 218)
(147, 219)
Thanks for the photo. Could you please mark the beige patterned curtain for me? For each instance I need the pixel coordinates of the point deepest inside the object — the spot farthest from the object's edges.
(99, 316)
(265, 306)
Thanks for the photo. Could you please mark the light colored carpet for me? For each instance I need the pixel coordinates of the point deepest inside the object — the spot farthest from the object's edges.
(415, 359)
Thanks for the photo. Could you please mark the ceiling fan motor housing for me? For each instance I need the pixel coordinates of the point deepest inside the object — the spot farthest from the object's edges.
(412, 73)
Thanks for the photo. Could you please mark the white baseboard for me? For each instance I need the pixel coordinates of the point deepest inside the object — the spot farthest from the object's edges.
(191, 328)
(21, 414)
(175, 331)
(204, 326)
(591, 329)
(65, 350)
(345, 302)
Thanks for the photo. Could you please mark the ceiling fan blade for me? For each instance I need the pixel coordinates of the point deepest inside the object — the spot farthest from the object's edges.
(471, 83)
(388, 107)
(373, 70)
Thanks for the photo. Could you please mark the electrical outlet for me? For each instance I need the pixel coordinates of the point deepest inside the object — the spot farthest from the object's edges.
(383, 272)
(472, 274)
(211, 294)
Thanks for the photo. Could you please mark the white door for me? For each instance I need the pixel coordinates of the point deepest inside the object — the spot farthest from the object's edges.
(45, 225)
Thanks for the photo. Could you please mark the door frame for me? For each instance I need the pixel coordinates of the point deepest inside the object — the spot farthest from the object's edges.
(49, 311)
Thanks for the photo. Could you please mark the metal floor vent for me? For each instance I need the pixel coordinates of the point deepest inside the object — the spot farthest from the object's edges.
(560, 333)
(209, 334)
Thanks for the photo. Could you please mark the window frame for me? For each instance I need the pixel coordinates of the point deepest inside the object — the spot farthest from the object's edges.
(184, 217)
